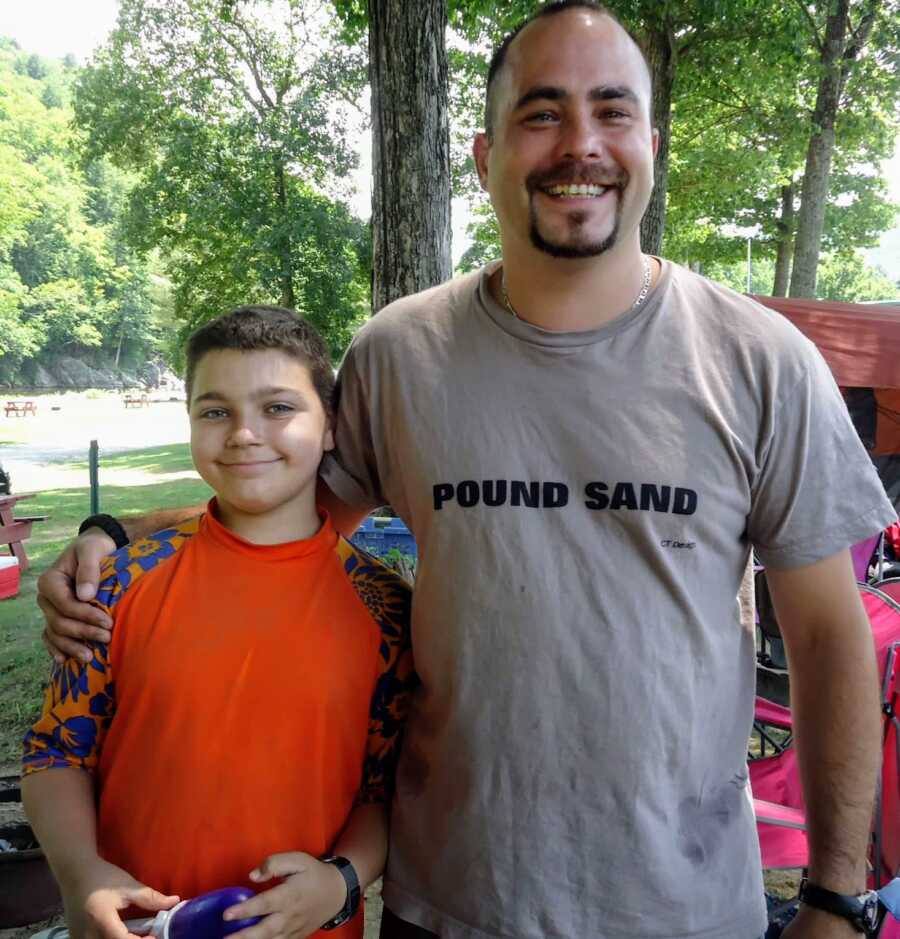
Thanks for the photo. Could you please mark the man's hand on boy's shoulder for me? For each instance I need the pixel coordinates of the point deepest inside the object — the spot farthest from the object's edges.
(95, 895)
(312, 893)
(63, 590)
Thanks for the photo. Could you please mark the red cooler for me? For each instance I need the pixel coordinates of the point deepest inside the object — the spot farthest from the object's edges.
(9, 577)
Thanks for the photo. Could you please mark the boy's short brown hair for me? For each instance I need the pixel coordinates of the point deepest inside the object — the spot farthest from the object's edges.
(252, 328)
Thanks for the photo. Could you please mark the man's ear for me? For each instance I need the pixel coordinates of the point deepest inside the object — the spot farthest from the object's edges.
(654, 137)
(481, 146)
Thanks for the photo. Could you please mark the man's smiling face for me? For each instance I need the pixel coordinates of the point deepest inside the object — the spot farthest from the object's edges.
(569, 166)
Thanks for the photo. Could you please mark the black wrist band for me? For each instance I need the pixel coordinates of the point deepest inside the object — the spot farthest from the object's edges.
(860, 910)
(351, 904)
(107, 524)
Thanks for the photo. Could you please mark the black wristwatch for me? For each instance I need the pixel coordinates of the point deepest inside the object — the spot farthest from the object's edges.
(860, 909)
(107, 524)
(351, 904)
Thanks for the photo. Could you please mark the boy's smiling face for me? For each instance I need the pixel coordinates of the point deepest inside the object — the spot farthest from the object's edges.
(258, 432)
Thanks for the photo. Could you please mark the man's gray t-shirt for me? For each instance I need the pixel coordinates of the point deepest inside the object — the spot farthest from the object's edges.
(584, 504)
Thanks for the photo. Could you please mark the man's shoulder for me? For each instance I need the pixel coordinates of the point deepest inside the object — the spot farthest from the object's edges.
(122, 569)
(421, 310)
(735, 317)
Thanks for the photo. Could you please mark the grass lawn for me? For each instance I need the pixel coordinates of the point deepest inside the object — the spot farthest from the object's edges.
(24, 664)
(171, 458)
(12, 433)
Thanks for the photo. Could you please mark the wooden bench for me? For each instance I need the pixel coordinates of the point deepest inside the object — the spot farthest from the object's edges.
(136, 401)
(21, 408)
(15, 531)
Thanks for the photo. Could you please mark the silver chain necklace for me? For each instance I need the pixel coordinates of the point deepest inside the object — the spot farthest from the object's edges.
(639, 299)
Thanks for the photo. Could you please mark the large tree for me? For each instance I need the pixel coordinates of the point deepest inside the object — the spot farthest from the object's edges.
(411, 147)
(408, 81)
(842, 48)
(234, 118)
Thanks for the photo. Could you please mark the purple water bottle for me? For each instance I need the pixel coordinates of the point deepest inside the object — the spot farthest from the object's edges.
(198, 918)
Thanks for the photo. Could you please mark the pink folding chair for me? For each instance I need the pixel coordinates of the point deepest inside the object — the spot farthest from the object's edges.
(891, 587)
(775, 780)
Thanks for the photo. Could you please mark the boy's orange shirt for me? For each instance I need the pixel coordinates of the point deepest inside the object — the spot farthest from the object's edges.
(249, 697)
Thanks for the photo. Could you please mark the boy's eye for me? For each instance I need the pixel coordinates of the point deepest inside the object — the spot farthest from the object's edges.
(211, 414)
(280, 408)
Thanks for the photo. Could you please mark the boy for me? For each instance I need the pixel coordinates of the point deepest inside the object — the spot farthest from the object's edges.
(259, 668)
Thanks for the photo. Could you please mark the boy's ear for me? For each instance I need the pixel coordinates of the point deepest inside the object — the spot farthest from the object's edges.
(328, 443)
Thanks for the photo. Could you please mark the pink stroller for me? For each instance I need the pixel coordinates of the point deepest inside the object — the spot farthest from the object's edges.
(775, 779)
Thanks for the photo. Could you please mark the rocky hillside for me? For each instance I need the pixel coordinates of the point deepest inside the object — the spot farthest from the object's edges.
(71, 374)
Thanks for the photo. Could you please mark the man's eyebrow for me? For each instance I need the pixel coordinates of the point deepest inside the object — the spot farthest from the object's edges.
(598, 93)
(542, 93)
(612, 93)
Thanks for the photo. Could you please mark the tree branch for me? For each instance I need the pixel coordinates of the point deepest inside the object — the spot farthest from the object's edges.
(858, 39)
(250, 60)
(226, 76)
(817, 39)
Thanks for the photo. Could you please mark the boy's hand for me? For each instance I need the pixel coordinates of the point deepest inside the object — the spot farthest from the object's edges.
(95, 895)
(62, 588)
(312, 893)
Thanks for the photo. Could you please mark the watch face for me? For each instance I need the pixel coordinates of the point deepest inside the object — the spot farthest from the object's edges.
(870, 910)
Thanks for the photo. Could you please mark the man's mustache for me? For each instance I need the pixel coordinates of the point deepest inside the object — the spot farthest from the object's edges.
(571, 173)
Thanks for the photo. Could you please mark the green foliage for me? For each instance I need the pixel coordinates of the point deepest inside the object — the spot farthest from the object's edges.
(68, 282)
(484, 233)
(843, 275)
(402, 563)
(231, 119)
(741, 130)
(846, 276)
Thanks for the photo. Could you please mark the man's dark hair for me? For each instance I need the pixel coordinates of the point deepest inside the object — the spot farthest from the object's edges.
(253, 328)
(549, 9)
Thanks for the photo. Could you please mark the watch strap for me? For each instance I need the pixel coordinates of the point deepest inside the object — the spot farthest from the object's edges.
(861, 909)
(354, 893)
(107, 524)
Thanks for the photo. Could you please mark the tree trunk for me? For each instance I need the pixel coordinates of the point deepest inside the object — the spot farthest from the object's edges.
(839, 53)
(410, 147)
(283, 240)
(121, 340)
(661, 57)
(785, 242)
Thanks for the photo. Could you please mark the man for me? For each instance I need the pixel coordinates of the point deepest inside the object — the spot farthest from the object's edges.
(585, 443)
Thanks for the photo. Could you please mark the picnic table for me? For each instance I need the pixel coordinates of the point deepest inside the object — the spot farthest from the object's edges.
(21, 408)
(137, 401)
(14, 531)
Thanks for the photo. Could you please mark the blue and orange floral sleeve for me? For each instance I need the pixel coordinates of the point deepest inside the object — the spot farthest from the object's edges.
(81, 699)
(78, 707)
(389, 600)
